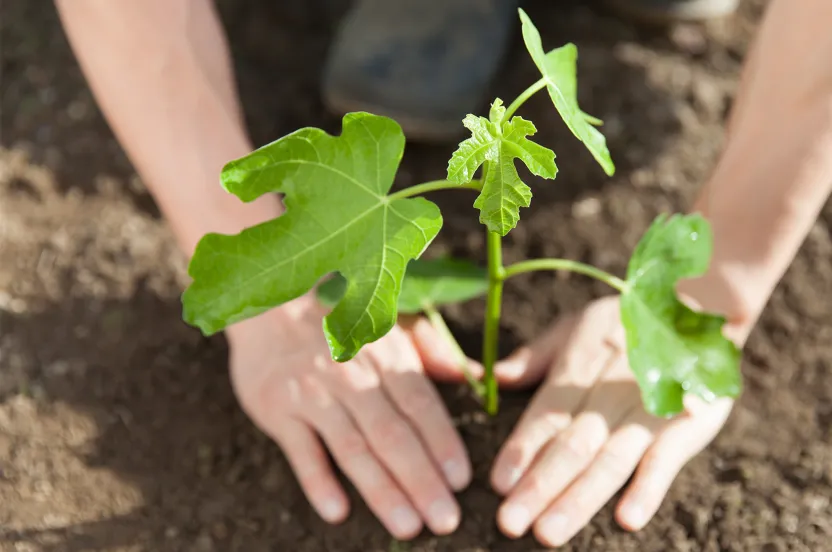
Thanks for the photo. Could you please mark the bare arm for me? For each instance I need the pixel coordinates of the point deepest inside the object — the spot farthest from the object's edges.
(776, 171)
(161, 73)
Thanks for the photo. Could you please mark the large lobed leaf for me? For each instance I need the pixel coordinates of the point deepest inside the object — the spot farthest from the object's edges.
(429, 283)
(671, 348)
(338, 218)
(559, 68)
(495, 144)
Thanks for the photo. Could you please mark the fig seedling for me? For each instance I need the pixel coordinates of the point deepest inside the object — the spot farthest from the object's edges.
(343, 227)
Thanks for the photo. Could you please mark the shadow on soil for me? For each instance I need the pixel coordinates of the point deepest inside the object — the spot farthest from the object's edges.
(160, 393)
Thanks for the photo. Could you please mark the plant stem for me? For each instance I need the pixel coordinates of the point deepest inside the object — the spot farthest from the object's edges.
(566, 264)
(433, 186)
(521, 99)
(496, 275)
(440, 326)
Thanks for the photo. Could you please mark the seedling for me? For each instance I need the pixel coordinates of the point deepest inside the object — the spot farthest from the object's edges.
(343, 227)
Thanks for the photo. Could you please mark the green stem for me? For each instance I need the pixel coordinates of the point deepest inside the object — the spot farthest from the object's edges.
(521, 99)
(566, 264)
(433, 186)
(496, 275)
(440, 326)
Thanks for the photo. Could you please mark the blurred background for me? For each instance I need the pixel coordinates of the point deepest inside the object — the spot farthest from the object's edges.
(118, 428)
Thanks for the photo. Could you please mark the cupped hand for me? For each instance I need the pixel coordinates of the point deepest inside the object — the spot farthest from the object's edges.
(585, 433)
(378, 415)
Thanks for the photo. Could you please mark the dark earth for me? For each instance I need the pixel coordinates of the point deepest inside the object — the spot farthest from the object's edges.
(118, 427)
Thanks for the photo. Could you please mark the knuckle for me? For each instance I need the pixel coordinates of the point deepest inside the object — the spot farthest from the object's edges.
(538, 482)
(416, 402)
(391, 431)
(614, 463)
(311, 472)
(350, 444)
(549, 423)
(262, 402)
(575, 449)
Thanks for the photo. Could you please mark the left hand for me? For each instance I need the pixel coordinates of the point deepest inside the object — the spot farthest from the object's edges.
(586, 432)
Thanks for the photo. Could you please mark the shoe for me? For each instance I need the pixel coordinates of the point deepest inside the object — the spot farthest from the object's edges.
(424, 63)
(669, 11)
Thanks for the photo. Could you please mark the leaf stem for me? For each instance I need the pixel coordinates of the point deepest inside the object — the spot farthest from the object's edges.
(525, 95)
(440, 326)
(433, 186)
(566, 264)
(496, 275)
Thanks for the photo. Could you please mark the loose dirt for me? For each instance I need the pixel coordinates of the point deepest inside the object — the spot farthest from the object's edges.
(118, 427)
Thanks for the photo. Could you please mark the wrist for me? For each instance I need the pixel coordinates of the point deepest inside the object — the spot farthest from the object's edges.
(215, 211)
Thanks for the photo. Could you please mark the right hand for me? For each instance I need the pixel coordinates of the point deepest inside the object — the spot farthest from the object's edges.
(378, 414)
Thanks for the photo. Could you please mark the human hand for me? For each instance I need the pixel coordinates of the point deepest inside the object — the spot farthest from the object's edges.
(378, 415)
(586, 432)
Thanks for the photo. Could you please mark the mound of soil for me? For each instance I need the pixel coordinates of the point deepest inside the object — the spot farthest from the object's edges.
(118, 427)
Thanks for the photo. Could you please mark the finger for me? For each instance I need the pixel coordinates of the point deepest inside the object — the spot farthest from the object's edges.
(566, 457)
(396, 445)
(607, 473)
(573, 333)
(682, 439)
(551, 409)
(560, 462)
(549, 413)
(418, 400)
(529, 363)
(439, 358)
(311, 466)
(357, 460)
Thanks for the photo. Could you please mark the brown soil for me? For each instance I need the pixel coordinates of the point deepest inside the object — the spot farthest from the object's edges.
(118, 427)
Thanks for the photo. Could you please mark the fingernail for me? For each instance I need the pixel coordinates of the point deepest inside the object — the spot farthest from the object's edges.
(455, 474)
(443, 516)
(332, 510)
(515, 519)
(511, 476)
(554, 527)
(633, 515)
(405, 521)
(510, 369)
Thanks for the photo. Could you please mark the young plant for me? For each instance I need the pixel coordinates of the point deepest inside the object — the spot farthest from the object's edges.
(342, 226)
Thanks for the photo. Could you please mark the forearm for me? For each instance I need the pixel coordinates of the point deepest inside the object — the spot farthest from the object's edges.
(161, 73)
(776, 170)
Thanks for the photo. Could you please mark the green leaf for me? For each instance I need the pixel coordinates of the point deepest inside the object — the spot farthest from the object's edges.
(495, 144)
(338, 218)
(559, 68)
(428, 283)
(671, 348)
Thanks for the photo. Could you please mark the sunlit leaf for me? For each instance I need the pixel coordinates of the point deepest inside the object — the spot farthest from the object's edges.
(559, 68)
(671, 348)
(338, 218)
(495, 144)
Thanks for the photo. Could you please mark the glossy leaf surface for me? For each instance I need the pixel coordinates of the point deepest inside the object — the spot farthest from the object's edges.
(559, 68)
(338, 218)
(495, 144)
(671, 348)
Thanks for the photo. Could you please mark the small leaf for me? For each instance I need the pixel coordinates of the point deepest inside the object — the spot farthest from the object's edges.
(495, 144)
(671, 348)
(426, 283)
(559, 68)
(338, 218)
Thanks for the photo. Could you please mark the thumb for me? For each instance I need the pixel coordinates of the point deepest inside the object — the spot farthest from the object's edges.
(440, 358)
(530, 363)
